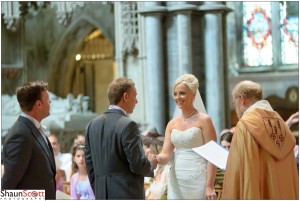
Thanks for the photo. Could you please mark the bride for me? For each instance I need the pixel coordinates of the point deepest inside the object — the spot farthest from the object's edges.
(191, 176)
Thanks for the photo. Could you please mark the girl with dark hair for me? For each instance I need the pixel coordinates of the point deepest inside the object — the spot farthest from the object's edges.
(80, 184)
(226, 140)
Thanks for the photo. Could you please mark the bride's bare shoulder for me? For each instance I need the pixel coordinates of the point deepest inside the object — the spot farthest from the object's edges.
(173, 122)
(204, 118)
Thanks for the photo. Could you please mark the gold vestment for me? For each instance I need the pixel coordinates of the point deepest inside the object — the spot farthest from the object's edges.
(261, 162)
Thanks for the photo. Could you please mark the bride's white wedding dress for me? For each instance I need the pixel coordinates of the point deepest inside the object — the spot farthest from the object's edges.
(188, 173)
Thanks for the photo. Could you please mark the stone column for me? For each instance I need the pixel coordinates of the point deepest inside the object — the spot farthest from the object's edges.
(179, 45)
(184, 35)
(214, 63)
(118, 38)
(154, 83)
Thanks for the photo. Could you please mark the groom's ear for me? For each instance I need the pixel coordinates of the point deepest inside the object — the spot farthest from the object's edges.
(125, 96)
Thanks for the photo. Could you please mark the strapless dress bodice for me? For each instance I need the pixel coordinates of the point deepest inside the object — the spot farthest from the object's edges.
(189, 138)
(188, 173)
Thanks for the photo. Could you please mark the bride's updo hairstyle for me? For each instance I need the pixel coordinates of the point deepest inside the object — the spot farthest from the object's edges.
(189, 80)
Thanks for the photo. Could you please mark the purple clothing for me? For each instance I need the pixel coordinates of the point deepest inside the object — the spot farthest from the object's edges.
(60, 186)
(73, 184)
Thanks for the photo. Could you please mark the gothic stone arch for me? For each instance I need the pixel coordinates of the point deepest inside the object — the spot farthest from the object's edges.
(62, 60)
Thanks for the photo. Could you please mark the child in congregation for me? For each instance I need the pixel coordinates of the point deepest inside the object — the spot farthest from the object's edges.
(80, 184)
(156, 188)
(60, 176)
(225, 141)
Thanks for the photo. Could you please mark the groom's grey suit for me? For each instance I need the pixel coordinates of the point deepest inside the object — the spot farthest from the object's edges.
(115, 158)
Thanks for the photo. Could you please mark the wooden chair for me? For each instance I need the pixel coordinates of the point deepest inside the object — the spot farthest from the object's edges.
(218, 190)
(219, 183)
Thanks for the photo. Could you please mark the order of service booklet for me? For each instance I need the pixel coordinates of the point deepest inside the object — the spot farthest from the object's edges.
(214, 153)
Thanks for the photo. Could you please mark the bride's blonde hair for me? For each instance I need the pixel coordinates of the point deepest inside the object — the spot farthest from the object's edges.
(189, 80)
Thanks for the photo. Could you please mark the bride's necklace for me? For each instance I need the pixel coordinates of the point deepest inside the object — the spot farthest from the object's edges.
(188, 116)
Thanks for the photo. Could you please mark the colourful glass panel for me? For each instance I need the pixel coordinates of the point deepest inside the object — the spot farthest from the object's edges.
(289, 30)
(257, 38)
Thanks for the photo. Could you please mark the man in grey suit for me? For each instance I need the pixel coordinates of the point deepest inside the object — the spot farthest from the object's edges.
(27, 153)
(114, 154)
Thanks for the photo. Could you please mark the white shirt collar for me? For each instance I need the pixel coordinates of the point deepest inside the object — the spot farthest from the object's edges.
(262, 104)
(34, 121)
(37, 125)
(118, 108)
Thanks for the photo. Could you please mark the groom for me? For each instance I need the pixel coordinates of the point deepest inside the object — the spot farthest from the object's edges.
(115, 159)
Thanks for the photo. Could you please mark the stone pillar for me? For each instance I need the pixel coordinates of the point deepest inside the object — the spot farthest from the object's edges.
(214, 63)
(154, 83)
(118, 38)
(184, 35)
(179, 45)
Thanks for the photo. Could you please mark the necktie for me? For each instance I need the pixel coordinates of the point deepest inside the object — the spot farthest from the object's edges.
(41, 129)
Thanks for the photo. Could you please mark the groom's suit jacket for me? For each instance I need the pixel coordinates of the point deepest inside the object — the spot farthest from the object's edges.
(28, 160)
(115, 158)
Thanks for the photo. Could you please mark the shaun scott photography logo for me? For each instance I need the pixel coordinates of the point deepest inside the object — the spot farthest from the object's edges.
(22, 195)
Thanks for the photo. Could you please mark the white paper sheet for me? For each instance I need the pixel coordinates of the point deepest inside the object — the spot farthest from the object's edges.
(214, 153)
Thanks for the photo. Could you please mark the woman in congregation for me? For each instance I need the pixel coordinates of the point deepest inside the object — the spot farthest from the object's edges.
(225, 140)
(79, 183)
(191, 176)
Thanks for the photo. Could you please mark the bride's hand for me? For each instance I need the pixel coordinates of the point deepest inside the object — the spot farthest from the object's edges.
(153, 160)
(210, 193)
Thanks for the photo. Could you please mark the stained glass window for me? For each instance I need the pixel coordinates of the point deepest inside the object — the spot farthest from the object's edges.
(289, 31)
(257, 38)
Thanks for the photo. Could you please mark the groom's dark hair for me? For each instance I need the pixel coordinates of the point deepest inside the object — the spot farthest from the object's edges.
(117, 88)
(29, 93)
